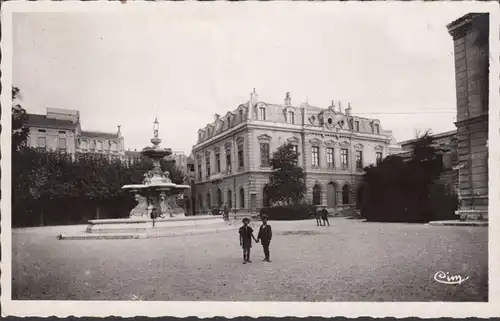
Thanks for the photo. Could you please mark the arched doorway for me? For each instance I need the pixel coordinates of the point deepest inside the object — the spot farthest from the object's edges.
(331, 197)
(359, 196)
(345, 194)
(317, 194)
(242, 198)
(265, 196)
(219, 197)
(209, 201)
(229, 199)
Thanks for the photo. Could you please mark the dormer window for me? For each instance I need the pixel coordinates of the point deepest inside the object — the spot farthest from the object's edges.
(356, 125)
(291, 117)
(377, 129)
(262, 113)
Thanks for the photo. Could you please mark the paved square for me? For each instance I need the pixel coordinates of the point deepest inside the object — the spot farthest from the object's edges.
(348, 261)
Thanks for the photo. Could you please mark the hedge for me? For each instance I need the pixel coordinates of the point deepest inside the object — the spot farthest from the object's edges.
(288, 213)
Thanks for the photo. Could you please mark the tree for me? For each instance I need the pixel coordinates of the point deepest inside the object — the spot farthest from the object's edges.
(399, 190)
(287, 181)
(19, 118)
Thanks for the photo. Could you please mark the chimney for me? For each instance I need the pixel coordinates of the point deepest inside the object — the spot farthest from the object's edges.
(348, 109)
(340, 107)
(288, 99)
(332, 106)
(119, 131)
(216, 116)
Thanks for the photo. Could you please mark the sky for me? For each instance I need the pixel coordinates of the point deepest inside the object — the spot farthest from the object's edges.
(184, 63)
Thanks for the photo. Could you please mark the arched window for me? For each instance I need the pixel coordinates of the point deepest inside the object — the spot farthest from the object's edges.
(209, 201)
(345, 194)
(242, 198)
(331, 197)
(265, 196)
(317, 194)
(229, 199)
(219, 197)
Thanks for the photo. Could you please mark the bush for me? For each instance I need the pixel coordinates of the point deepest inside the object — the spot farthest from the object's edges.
(288, 213)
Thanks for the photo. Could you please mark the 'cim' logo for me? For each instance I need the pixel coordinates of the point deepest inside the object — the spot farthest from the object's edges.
(446, 278)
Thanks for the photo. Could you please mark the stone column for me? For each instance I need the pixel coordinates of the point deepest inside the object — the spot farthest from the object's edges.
(471, 42)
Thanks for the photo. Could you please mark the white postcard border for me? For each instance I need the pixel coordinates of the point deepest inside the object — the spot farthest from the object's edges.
(254, 309)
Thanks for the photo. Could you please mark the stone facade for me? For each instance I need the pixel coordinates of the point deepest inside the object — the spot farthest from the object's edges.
(471, 42)
(232, 153)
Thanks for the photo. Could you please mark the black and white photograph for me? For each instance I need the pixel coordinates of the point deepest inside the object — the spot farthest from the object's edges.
(270, 157)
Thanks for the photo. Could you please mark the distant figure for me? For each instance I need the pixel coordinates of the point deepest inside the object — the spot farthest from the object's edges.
(317, 214)
(246, 236)
(265, 234)
(226, 212)
(324, 216)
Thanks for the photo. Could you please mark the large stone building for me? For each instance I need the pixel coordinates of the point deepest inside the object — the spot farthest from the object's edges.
(233, 152)
(60, 130)
(471, 46)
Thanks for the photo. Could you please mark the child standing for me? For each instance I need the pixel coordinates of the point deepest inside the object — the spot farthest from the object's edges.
(265, 234)
(246, 236)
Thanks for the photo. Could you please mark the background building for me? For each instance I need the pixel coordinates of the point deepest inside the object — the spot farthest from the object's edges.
(446, 144)
(233, 152)
(471, 41)
(60, 130)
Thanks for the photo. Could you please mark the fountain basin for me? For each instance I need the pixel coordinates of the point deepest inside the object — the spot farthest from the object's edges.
(147, 228)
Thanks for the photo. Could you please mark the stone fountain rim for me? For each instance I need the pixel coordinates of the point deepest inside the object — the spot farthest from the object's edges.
(156, 185)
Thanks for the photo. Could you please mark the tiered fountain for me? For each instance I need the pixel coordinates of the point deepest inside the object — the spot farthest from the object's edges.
(157, 213)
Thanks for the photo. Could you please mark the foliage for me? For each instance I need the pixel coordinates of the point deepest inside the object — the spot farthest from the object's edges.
(19, 118)
(287, 181)
(399, 190)
(53, 188)
(289, 212)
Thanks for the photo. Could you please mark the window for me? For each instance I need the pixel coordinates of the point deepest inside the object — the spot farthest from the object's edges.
(62, 132)
(315, 156)
(42, 131)
(62, 144)
(329, 158)
(291, 117)
(207, 163)
(228, 160)
(264, 154)
(377, 129)
(359, 159)
(344, 159)
(99, 146)
(379, 157)
(209, 201)
(241, 115)
(262, 113)
(217, 162)
(83, 145)
(114, 147)
(199, 169)
(42, 142)
(229, 199)
(356, 124)
(241, 162)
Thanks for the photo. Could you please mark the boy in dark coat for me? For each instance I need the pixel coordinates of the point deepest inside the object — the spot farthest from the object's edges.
(265, 234)
(324, 216)
(246, 236)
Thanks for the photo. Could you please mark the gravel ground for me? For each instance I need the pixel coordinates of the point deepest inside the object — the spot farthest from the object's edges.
(348, 261)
